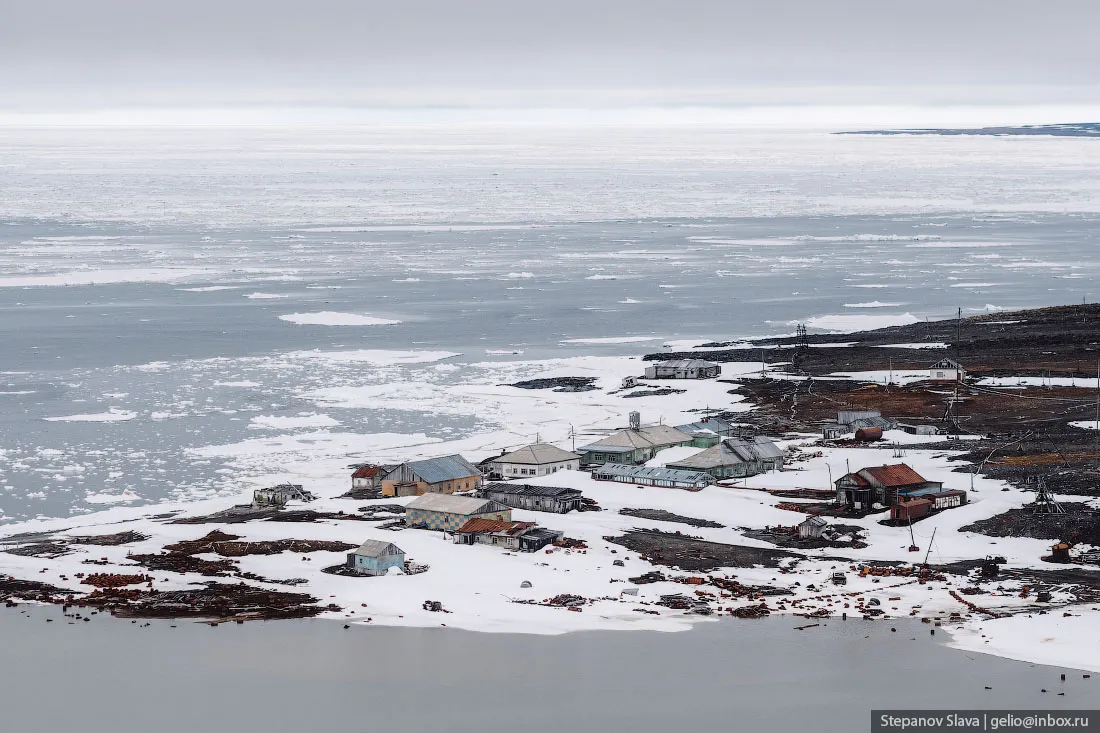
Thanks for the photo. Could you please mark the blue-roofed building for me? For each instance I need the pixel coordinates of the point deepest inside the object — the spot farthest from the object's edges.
(444, 475)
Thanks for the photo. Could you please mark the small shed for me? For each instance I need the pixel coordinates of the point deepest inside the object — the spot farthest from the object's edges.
(812, 528)
(376, 557)
(946, 370)
(915, 429)
(910, 511)
(868, 435)
(367, 476)
(834, 430)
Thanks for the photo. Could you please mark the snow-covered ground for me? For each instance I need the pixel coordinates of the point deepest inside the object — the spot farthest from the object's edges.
(478, 583)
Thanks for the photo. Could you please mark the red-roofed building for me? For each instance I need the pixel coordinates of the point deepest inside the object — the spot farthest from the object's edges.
(367, 477)
(526, 536)
(879, 485)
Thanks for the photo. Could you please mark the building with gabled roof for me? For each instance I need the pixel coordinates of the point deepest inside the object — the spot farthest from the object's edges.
(879, 485)
(735, 458)
(367, 476)
(279, 496)
(946, 370)
(633, 445)
(376, 557)
(537, 459)
(558, 499)
(448, 513)
(444, 475)
(683, 369)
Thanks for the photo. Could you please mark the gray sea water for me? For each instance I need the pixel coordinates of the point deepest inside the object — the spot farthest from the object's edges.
(117, 676)
(494, 244)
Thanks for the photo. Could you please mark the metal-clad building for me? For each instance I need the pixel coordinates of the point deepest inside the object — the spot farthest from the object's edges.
(812, 528)
(634, 445)
(535, 498)
(376, 557)
(735, 458)
(443, 475)
(650, 476)
(448, 513)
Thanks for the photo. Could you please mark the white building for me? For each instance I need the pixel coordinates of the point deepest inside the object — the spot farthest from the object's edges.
(946, 370)
(683, 369)
(537, 459)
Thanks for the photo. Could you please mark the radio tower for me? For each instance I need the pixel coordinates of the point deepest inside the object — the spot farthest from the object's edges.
(1044, 501)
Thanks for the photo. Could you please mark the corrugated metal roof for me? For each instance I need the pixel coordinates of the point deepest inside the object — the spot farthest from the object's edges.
(730, 452)
(367, 472)
(445, 468)
(897, 474)
(492, 526)
(653, 473)
(655, 436)
(537, 454)
(455, 504)
(816, 522)
(377, 548)
(528, 490)
(933, 491)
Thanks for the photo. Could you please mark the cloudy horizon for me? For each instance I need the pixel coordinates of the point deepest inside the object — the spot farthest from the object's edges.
(977, 60)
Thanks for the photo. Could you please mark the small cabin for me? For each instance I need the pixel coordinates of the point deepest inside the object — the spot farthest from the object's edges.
(946, 370)
(812, 528)
(376, 557)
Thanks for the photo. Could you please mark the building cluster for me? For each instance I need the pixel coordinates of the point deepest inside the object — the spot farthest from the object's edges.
(909, 495)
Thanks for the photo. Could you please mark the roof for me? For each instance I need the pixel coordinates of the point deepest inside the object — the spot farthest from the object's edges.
(686, 364)
(657, 435)
(933, 491)
(285, 489)
(492, 526)
(367, 471)
(542, 533)
(713, 425)
(537, 454)
(816, 522)
(897, 474)
(882, 423)
(448, 504)
(653, 473)
(446, 468)
(729, 452)
(377, 548)
(946, 363)
(528, 490)
(914, 502)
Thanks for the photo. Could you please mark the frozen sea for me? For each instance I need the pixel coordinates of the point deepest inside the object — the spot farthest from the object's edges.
(164, 290)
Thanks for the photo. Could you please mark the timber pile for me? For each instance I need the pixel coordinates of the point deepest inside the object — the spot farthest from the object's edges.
(12, 589)
(569, 543)
(179, 563)
(274, 547)
(663, 516)
(216, 600)
(110, 540)
(114, 580)
(751, 611)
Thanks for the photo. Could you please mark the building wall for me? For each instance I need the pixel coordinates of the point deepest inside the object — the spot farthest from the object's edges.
(527, 469)
(390, 486)
(536, 503)
(447, 521)
(376, 565)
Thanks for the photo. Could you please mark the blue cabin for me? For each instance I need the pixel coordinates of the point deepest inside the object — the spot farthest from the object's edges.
(376, 557)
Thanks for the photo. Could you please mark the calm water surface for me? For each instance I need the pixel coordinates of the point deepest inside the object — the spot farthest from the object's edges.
(115, 676)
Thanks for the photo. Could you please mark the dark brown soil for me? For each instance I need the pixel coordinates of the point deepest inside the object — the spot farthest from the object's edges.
(693, 554)
(110, 540)
(559, 384)
(180, 563)
(663, 516)
(12, 589)
(1080, 524)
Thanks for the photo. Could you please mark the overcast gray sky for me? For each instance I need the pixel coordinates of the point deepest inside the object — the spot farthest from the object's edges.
(419, 49)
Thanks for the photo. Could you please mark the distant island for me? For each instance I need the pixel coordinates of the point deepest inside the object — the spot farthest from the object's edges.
(1075, 129)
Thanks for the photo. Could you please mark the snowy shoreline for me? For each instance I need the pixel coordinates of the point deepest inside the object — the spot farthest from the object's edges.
(478, 583)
